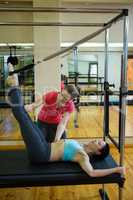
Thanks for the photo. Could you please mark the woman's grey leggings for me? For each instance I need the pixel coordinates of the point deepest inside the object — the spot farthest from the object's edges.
(37, 147)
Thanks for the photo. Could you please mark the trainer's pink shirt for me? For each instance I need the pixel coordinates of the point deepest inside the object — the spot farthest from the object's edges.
(49, 112)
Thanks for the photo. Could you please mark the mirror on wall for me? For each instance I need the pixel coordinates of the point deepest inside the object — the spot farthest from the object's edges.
(9, 129)
(89, 80)
(87, 121)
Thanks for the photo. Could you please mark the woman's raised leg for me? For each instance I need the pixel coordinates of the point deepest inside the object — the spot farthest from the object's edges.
(37, 147)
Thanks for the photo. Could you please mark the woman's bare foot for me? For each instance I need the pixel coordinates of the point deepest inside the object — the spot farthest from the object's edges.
(12, 80)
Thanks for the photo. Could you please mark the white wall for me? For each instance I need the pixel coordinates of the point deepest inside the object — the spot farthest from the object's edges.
(114, 63)
(16, 34)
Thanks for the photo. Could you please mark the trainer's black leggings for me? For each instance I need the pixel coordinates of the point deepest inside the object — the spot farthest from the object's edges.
(49, 130)
(36, 144)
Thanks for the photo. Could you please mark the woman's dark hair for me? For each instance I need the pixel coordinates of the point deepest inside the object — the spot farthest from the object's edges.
(72, 90)
(104, 152)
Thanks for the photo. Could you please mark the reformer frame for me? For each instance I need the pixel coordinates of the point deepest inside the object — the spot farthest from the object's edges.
(6, 180)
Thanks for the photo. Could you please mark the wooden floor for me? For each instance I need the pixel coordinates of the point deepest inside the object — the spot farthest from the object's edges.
(90, 123)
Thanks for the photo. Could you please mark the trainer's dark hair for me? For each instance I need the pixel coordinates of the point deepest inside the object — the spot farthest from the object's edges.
(72, 90)
(104, 152)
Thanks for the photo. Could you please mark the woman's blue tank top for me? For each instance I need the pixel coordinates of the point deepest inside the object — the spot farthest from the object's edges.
(71, 147)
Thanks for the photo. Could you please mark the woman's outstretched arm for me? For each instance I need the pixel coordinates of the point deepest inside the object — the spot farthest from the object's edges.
(85, 164)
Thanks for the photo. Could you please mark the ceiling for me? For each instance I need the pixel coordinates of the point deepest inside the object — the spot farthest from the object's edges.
(99, 1)
(69, 3)
(73, 1)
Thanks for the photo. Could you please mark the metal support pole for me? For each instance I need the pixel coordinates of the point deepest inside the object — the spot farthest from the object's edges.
(106, 102)
(68, 24)
(75, 59)
(120, 193)
(88, 37)
(59, 9)
(103, 194)
(123, 90)
(106, 55)
(79, 42)
(106, 87)
(123, 94)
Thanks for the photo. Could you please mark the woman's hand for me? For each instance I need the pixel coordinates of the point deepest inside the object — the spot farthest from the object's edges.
(29, 108)
(121, 170)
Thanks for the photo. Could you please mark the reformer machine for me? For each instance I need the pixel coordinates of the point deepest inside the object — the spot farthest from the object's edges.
(15, 170)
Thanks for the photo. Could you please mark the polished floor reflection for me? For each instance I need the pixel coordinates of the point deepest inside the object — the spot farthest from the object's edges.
(90, 121)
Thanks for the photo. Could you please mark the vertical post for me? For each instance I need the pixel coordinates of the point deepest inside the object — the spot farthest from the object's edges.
(106, 87)
(123, 89)
(106, 54)
(76, 102)
(75, 59)
(102, 191)
(123, 94)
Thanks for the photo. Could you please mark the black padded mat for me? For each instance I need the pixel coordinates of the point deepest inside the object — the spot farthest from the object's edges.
(16, 171)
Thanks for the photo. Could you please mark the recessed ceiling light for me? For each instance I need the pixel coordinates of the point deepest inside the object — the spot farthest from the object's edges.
(4, 2)
(98, 44)
(17, 44)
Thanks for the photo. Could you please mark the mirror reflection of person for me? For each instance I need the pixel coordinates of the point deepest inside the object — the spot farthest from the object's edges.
(56, 108)
(40, 151)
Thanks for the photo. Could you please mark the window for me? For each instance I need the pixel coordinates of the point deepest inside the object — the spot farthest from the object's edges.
(93, 73)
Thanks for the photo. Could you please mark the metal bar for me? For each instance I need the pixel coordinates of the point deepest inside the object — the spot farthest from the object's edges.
(51, 24)
(75, 58)
(88, 37)
(120, 193)
(103, 193)
(26, 67)
(123, 89)
(115, 19)
(59, 9)
(106, 55)
(120, 107)
(106, 95)
(113, 141)
(106, 87)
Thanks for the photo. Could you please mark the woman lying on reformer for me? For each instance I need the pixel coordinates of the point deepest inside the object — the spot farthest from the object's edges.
(39, 151)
